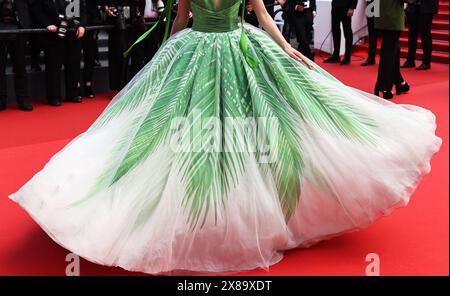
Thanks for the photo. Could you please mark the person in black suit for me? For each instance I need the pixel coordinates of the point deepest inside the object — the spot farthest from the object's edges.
(373, 38)
(128, 20)
(60, 49)
(90, 46)
(14, 15)
(250, 16)
(419, 15)
(301, 15)
(342, 12)
(147, 13)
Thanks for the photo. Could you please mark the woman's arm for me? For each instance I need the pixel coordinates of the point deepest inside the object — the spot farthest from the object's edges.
(182, 18)
(271, 28)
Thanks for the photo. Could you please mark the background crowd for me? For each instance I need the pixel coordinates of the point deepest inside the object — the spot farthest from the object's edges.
(70, 40)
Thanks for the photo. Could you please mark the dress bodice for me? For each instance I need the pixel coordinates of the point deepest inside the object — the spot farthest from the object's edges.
(210, 18)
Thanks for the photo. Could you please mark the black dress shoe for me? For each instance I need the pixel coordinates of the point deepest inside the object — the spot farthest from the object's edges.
(25, 106)
(408, 64)
(345, 62)
(76, 99)
(368, 62)
(54, 102)
(89, 92)
(332, 59)
(424, 67)
(402, 88)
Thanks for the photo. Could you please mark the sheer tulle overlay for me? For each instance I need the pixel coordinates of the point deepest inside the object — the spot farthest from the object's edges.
(121, 195)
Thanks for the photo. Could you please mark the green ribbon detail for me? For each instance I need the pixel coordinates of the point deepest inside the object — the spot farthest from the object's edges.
(251, 61)
(166, 14)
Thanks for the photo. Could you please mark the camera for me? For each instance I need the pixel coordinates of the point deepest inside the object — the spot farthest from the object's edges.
(158, 6)
(63, 25)
(122, 14)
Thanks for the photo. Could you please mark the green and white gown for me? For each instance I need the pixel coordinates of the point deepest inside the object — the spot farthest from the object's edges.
(221, 154)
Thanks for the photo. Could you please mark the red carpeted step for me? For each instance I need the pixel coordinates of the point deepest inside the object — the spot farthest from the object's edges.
(443, 7)
(437, 45)
(435, 34)
(442, 15)
(439, 25)
(437, 56)
(440, 35)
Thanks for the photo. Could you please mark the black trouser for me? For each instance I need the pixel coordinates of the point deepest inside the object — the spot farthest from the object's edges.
(311, 43)
(90, 49)
(302, 23)
(16, 48)
(419, 22)
(118, 65)
(389, 68)
(373, 37)
(338, 16)
(144, 52)
(35, 46)
(59, 52)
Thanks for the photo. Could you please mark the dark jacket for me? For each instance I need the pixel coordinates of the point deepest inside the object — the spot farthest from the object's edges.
(347, 4)
(45, 12)
(426, 6)
(93, 14)
(292, 3)
(392, 16)
(23, 14)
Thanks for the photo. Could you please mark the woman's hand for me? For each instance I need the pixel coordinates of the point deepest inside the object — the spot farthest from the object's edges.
(80, 32)
(52, 28)
(300, 8)
(350, 12)
(293, 53)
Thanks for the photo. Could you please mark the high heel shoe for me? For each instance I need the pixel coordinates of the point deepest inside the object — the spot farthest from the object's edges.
(402, 88)
(387, 94)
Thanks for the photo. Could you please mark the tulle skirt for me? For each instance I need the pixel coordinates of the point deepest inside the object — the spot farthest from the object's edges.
(161, 182)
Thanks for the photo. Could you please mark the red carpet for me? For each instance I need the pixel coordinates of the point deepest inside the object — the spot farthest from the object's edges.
(412, 241)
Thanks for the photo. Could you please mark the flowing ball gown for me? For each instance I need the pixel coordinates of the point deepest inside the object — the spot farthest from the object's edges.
(221, 154)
